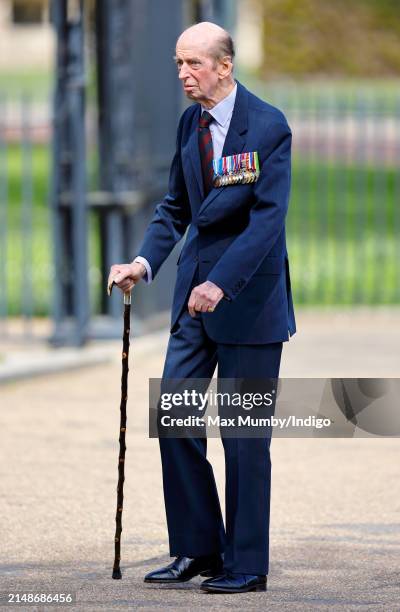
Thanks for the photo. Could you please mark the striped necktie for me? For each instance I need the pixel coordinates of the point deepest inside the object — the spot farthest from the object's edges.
(206, 151)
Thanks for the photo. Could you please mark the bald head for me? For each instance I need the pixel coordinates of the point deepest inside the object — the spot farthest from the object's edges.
(210, 38)
(204, 58)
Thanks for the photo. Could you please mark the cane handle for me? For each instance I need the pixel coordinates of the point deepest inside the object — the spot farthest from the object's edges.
(109, 287)
(127, 294)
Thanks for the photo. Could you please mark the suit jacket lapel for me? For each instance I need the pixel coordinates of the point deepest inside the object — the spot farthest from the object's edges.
(235, 138)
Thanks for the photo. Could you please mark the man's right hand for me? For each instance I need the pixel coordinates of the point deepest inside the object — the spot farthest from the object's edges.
(125, 276)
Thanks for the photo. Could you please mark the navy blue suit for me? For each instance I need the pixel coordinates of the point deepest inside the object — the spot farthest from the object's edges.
(236, 239)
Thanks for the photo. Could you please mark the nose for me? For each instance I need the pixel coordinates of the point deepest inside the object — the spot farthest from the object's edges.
(183, 72)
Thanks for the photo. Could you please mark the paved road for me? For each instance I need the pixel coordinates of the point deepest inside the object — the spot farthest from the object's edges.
(335, 518)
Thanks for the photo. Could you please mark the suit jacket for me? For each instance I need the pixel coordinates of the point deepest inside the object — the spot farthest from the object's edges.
(236, 235)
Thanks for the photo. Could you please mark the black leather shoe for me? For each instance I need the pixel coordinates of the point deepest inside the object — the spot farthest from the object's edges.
(234, 583)
(185, 568)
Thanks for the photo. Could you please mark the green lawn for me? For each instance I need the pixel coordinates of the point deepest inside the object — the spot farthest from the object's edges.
(339, 95)
(29, 261)
(343, 235)
(35, 83)
(343, 229)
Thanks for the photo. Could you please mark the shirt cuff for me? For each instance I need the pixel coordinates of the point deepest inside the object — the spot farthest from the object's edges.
(148, 277)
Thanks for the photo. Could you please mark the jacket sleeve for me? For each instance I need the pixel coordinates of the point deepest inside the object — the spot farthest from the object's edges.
(240, 261)
(171, 216)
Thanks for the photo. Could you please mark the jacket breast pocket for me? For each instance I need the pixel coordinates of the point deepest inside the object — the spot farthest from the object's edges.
(230, 202)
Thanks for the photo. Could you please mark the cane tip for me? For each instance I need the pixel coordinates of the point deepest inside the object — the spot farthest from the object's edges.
(117, 574)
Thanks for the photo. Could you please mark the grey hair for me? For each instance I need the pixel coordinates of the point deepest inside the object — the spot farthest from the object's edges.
(223, 47)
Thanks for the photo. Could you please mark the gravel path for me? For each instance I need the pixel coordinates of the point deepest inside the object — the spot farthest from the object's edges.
(335, 518)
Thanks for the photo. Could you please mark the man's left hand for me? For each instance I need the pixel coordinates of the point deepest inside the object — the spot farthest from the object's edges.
(204, 298)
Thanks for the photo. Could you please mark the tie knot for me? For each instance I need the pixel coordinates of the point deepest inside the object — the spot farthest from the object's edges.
(205, 119)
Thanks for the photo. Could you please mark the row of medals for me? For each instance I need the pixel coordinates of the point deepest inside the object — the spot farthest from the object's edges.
(243, 176)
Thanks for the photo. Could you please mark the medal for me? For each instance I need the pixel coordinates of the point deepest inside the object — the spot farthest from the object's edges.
(240, 168)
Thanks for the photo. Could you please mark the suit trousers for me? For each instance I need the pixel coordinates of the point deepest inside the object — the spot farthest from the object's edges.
(194, 518)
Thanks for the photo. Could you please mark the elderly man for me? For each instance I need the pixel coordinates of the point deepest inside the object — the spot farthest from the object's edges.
(229, 184)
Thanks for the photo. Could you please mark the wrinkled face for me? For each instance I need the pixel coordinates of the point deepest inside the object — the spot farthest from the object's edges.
(197, 70)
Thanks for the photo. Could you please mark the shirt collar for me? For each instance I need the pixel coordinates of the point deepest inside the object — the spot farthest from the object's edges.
(222, 111)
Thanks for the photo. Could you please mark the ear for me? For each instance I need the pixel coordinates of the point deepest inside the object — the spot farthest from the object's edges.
(225, 67)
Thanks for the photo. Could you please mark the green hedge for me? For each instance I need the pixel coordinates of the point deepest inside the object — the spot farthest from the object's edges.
(331, 37)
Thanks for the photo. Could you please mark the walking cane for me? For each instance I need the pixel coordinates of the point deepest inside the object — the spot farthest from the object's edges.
(116, 574)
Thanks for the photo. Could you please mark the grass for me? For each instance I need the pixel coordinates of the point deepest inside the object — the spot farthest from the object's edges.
(28, 263)
(28, 253)
(342, 229)
(339, 95)
(33, 82)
